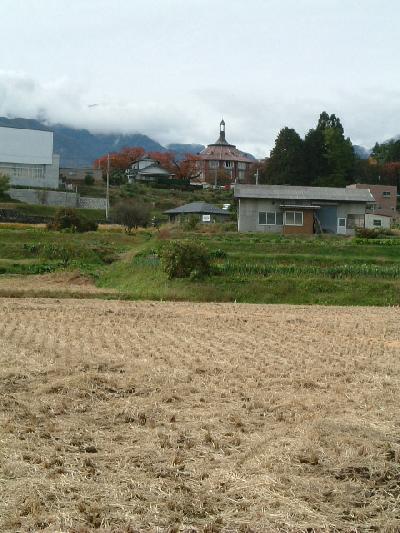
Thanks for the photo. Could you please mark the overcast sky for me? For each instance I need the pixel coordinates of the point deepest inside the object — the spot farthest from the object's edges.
(172, 68)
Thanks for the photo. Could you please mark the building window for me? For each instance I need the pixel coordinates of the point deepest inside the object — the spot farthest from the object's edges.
(213, 164)
(386, 194)
(355, 221)
(270, 218)
(377, 222)
(293, 218)
(242, 166)
(228, 164)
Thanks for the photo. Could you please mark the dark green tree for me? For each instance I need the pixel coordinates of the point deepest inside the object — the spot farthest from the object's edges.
(388, 152)
(315, 155)
(330, 157)
(287, 162)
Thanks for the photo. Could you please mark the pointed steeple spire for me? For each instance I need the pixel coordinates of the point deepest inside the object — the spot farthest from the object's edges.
(222, 139)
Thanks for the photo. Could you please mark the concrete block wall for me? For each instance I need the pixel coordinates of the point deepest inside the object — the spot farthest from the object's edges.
(43, 197)
(56, 198)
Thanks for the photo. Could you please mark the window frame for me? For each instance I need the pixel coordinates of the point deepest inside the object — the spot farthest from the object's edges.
(386, 194)
(286, 223)
(262, 213)
(377, 225)
(266, 213)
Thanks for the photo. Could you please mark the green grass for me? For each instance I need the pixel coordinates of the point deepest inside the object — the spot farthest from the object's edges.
(159, 200)
(254, 268)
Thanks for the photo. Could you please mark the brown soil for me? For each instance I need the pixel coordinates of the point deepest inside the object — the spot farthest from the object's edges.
(119, 416)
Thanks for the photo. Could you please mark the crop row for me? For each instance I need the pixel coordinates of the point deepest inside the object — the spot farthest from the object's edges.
(339, 271)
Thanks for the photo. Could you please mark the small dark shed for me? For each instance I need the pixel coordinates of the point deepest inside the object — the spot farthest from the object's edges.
(206, 213)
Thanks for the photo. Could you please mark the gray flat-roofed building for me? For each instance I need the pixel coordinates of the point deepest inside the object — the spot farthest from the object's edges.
(293, 209)
(26, 157)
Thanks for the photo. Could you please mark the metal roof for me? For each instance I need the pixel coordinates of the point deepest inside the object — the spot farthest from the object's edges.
(304, 194)
(197, 207)
(154, 170)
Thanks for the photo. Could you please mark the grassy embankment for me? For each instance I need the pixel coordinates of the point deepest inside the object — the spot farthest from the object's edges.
(248, 268)
(159, 200)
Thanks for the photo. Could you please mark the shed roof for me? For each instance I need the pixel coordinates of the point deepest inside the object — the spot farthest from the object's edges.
(197, 207)
(291, 192)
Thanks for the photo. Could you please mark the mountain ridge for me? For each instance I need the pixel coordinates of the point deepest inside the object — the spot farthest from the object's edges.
(78, 147)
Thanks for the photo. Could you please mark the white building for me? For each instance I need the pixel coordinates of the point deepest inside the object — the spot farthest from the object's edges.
(26, 157)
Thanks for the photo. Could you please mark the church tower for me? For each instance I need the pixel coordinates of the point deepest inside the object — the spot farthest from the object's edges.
(222, 139)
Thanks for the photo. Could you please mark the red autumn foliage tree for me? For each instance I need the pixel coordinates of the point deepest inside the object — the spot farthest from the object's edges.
(119, 160)
(186, 168)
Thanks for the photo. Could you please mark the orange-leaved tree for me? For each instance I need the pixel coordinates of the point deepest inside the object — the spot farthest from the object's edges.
(119, 160)
(185, 168)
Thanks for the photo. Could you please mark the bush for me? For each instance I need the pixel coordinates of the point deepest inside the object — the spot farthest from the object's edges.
(218, 254)
(4, 184)
(131, 214)
(70, 219)
(190, 223)
(366, 233)
(373, 233)
(89, 179)
(184, 259)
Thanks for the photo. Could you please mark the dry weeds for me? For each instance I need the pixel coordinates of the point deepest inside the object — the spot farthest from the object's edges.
(122, 416)
(58, 284)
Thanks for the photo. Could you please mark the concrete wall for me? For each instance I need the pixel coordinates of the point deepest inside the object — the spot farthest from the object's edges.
(43, 197)
(56, 198)
(248, 215)
(369, 221)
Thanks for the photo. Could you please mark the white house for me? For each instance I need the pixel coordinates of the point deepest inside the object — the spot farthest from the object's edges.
(26, 157)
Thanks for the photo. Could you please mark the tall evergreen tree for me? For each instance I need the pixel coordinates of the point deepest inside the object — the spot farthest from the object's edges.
(330, 157)
(287, 164)
(315, 155)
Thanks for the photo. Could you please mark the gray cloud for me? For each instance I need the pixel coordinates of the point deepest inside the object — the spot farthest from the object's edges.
(252, 124)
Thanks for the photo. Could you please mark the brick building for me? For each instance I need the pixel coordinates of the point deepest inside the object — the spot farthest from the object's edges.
(385, 197)
(222, 162)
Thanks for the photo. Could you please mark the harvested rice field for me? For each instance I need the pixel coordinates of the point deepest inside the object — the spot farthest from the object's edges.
(125, 417)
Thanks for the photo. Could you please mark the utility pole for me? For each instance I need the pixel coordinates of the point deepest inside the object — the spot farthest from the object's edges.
(257, 177)
(108, 186)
